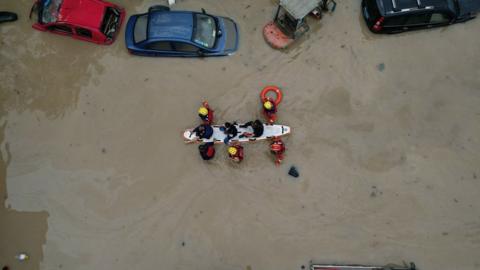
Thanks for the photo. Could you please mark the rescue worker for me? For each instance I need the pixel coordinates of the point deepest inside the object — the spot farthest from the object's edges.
(207, 150)
(206, 113)
(235, 153)
(257, 127)
(269, 109)
(230, 130)
(203, 131)
(277, 148)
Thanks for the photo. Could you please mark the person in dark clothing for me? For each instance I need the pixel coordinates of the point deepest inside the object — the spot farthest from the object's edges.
(207, 150)
(203, 131)
(230, 130)
(257, 127)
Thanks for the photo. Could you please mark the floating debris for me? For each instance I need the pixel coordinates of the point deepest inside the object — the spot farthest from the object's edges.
(381, 67)
(22, 257)
(293, 172)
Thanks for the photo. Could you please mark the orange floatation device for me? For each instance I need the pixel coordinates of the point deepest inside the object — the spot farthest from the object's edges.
(274, 89)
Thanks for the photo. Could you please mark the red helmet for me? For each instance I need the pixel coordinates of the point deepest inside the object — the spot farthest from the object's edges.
(276, 147)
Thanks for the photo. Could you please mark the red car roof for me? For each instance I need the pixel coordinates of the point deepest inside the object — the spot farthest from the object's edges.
(87, 13)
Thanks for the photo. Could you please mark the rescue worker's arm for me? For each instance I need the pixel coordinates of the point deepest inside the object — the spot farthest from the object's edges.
(248, 124)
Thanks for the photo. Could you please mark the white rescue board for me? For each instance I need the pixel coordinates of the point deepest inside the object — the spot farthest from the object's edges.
(269, 131)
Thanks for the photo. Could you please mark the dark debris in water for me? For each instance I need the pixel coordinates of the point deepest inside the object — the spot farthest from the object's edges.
(381, 67)
(293, 172)
(375, 192)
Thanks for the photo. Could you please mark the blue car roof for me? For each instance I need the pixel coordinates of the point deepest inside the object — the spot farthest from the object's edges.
(167, 25)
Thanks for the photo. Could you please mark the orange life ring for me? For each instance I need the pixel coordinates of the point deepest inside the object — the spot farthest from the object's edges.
(276, 90)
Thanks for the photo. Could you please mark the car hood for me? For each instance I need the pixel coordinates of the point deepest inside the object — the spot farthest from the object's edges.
(469, 6)
(230, 33)
(82, 12)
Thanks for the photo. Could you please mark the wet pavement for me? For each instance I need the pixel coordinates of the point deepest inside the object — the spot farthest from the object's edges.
(386, 129)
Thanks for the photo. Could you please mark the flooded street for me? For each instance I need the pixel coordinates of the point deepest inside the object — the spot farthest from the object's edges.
(385, 134)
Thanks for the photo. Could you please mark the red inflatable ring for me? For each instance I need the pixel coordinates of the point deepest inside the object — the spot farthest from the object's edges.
(276, 90)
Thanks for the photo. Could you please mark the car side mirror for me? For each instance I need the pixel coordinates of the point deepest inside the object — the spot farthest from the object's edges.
(203, 11)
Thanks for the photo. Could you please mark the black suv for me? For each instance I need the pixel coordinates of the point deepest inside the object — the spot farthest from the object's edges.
(395, 16)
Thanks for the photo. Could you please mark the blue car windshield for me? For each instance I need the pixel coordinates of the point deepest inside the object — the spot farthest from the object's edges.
(49, 10)
(205, 31)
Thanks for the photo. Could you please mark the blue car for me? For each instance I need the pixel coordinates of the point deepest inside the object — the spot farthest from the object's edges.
(162, 32)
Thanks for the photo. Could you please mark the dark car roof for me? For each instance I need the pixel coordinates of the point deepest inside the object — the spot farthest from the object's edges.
(394, 6)
(168, 25)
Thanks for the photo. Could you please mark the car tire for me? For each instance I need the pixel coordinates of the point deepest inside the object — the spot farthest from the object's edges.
(158, 8)
(7, 16)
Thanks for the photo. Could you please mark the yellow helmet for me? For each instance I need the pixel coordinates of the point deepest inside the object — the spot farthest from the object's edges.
(232, 150)
(268, 105)
(203, 111)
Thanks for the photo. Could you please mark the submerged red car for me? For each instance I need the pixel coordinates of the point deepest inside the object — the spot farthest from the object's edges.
(96, 21)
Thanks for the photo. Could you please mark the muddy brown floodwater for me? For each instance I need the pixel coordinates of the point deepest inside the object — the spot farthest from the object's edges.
(385, 135)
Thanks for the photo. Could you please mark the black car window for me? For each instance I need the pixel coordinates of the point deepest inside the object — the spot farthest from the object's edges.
(439, 18)
(160, 46)
(417, 19)
(84, 32)
(60, 28)
(395, 21)
(184, 47)
(140, 30)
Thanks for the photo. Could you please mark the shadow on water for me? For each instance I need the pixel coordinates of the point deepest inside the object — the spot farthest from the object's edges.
(19, 231)
(35, 76)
